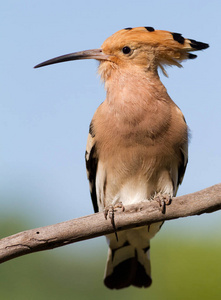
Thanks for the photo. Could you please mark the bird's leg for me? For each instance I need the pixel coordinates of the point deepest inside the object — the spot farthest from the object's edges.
(109, 211)
(163, 200)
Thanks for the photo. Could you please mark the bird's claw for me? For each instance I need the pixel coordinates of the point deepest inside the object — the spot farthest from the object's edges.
(163, 200)
(109, 212)
(111, 209)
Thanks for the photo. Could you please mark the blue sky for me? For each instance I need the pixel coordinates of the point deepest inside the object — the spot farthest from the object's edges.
(45, 113)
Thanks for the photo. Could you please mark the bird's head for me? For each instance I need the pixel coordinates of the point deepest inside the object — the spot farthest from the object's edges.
(140, 47)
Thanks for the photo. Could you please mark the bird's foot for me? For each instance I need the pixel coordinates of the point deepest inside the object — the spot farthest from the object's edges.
(109, 212)
(163, 200)
(111, 209)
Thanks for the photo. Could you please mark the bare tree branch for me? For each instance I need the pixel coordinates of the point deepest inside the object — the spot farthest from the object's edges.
(57, 235)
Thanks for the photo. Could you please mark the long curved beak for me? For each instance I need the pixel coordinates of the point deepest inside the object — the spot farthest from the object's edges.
(87, 54)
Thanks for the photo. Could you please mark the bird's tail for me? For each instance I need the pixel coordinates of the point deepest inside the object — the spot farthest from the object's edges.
(127, 264)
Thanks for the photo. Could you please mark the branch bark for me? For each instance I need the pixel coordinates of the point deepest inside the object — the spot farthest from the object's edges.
(144, 213)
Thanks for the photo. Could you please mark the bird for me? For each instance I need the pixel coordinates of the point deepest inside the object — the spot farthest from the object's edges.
(137, 147)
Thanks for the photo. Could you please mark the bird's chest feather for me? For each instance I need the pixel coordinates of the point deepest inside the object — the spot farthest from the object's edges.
(137, 110)
(130, 124)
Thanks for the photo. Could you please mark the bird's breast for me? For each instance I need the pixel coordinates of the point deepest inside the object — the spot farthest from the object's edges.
(131, 124)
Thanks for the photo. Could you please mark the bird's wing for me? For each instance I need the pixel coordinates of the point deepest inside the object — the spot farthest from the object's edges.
(183, 163)
(91, 159)
(181, 166)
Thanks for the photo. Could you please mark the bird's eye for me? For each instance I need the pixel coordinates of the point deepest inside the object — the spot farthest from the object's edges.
(126, 50)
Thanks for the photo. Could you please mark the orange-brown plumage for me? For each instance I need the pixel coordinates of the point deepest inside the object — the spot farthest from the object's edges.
(150, 49)
(138, 140)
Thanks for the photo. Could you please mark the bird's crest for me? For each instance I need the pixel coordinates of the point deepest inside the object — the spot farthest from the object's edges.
(164, 47)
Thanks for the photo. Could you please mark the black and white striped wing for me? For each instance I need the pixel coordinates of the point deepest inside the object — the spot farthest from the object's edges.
(91, 159)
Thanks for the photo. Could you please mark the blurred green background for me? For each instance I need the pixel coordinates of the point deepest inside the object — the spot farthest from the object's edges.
(44, 119)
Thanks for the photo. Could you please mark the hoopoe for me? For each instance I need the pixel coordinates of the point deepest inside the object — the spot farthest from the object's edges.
(138, 138)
